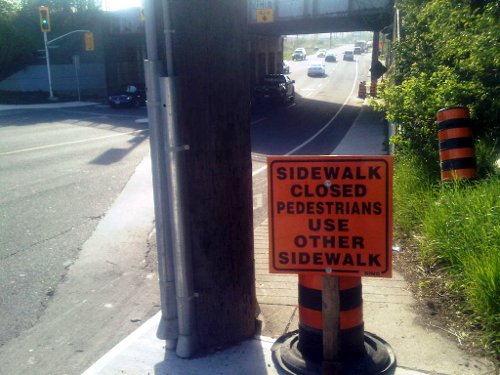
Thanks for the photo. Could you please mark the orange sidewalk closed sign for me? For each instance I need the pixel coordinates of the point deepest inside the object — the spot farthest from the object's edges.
(330, 215)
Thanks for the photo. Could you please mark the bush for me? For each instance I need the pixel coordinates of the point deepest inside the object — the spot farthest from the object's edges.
(447, 56)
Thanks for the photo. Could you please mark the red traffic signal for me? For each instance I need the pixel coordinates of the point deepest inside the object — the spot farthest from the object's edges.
(44, 19)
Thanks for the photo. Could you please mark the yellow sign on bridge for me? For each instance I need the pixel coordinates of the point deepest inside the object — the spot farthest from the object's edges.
(265, 15)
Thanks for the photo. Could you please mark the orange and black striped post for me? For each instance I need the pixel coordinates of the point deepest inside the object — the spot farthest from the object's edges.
(373, 89)
(456, 144)
(359, 352)
(351, 335)
(362, 90)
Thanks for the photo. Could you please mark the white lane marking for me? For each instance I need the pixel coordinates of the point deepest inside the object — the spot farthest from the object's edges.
(331, 120)
(142, 120)
(258, 121)
(69, 143)
(261, 169)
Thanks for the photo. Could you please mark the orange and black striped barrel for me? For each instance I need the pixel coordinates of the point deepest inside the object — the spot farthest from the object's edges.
(456, 144)
(373, 88)
(362, 90)
(351, 333)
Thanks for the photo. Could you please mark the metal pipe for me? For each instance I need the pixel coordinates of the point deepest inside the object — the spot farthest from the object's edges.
(186, 342)
(168, 328)
(167, 30)
(150, 30)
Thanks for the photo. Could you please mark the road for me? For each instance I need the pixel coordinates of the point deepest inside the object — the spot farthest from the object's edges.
(60, 171)
(315, 124)
(63, 303)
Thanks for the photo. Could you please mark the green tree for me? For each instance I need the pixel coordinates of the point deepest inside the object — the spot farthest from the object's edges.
(20, 35)
(8, 8)
(16, 46)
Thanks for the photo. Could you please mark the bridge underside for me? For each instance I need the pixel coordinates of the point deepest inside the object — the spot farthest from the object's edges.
(349, 21)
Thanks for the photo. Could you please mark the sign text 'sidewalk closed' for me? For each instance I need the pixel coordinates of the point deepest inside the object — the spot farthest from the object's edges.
(330, 214)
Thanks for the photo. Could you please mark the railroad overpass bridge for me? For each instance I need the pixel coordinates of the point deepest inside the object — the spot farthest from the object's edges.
(282, 17)
(269, 20)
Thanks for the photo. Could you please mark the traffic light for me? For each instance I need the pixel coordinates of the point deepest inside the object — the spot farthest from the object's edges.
(89, 41)
(44, 19)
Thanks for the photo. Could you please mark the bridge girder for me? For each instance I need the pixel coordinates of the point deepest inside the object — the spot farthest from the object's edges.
(374, 19)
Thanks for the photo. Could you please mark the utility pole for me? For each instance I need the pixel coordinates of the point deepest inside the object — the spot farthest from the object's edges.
(202, 129)
(375, 49)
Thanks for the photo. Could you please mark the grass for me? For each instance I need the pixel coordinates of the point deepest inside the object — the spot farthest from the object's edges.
(458, 230)
(413, 195)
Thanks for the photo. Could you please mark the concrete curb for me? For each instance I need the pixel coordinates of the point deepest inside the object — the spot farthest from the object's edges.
(8, 107)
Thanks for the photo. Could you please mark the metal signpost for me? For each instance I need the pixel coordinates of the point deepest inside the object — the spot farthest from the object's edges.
(76, 63)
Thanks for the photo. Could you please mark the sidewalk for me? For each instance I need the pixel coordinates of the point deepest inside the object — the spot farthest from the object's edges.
(389, 312)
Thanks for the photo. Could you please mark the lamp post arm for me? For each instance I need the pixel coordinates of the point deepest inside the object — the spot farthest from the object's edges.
(71, 32)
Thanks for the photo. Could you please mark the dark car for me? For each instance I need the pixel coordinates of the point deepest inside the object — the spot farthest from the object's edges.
(130, 95)
(285, 68)
(274, 88)
(348, 56)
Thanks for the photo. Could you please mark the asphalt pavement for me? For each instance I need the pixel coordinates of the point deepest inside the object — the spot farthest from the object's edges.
(62, 170)
(389, 311)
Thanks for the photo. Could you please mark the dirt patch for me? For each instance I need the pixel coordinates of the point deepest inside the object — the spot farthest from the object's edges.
(443, 308)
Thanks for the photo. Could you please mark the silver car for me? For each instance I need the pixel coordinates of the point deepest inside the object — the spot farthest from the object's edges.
(316, 69)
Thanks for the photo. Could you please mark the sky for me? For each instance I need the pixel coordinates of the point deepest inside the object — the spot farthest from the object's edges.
(120, 4)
